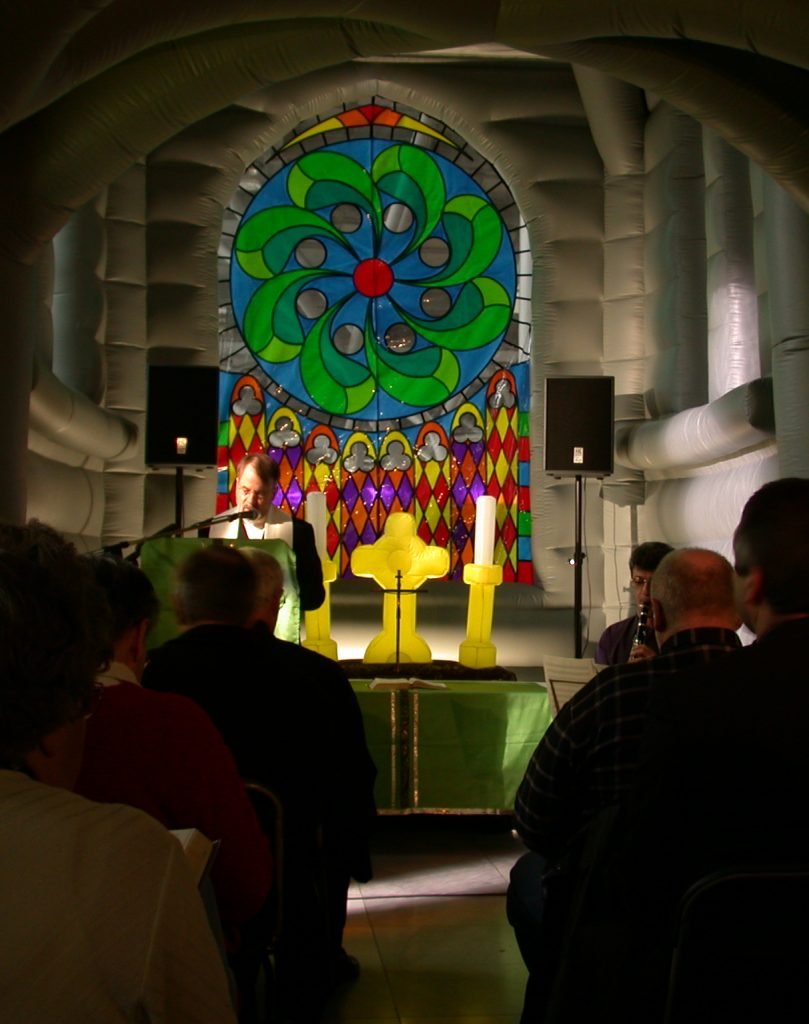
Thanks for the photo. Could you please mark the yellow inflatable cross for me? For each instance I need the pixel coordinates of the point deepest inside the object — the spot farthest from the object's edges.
(397, 551)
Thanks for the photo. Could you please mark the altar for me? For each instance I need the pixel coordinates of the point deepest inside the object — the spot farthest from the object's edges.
(462, 749)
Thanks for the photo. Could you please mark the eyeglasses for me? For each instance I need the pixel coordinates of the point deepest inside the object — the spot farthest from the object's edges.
(640, 581)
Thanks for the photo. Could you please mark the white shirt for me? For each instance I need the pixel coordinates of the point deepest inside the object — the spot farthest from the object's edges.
(116, 672)
(102, 921)
(277, 527)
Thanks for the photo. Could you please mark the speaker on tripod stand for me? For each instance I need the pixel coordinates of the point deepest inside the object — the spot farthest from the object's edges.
(579, 442)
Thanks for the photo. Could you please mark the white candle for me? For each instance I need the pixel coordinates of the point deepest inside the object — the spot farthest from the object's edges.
(316, 516)
(485, 520)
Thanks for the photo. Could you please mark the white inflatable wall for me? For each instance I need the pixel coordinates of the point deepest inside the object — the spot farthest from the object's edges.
(658, 157)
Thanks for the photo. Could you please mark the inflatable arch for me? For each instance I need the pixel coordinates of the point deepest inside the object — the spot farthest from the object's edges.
(658, 159)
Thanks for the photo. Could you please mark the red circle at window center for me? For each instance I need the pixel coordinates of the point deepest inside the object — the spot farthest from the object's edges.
(373, 278)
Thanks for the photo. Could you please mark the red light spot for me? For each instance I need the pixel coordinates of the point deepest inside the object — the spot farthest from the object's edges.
(373, 278)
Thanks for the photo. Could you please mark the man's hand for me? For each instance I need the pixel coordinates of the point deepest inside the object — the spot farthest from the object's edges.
(640, 652)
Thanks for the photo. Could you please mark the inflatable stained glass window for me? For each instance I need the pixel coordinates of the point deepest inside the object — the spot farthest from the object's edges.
(375, 332)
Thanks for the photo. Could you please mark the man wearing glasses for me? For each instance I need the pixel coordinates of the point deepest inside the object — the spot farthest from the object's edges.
(256, 485)
(616, 646)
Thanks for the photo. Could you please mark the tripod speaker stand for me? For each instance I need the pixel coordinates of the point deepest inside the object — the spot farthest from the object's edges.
(579, 438)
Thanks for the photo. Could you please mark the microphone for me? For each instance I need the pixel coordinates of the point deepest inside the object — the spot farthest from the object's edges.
(228, 517)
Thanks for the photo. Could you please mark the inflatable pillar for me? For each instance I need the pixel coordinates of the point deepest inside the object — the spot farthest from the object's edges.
(477, 650)
(482, 576)
(318, 621)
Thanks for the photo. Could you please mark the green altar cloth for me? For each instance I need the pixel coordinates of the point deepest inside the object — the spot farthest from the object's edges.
(462, 749)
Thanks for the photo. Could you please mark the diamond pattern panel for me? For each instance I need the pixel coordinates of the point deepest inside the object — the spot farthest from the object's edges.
(432, 515)
(423, 491)
(357, 508)
(395, 464)
(441, 537)
(320, 466)
(441, 494)
(334, 524)
(246, 431)
(287, 450)
(503, 468)
(405, 493)
(286, 477)
(221, 480)
(431, 479)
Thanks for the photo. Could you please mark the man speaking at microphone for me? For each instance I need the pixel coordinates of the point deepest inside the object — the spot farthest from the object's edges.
(256, 484)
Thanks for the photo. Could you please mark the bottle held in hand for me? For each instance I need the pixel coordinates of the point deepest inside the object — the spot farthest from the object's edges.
(643, 633)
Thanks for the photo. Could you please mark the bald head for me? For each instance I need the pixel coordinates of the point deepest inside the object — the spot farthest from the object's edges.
(692, 588)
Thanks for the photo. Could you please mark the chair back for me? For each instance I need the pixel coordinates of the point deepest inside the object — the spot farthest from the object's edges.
(253, 963)
(564, 677)
(742, 948)
(271, 818)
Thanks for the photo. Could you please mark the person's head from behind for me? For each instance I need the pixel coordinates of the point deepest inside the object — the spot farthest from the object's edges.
(643, 561)
(256, 483)
(771, 554)
(133, 606)
(53, 639)
(270, 586)
(216, 584)
(693, 588)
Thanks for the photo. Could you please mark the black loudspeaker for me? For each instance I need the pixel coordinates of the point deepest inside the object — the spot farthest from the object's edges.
(182, 415)
(579, 425)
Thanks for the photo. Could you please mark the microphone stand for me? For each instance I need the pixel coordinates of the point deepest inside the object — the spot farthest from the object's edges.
(398, 590)
(398, 616)
(172, 530)
(577, 572)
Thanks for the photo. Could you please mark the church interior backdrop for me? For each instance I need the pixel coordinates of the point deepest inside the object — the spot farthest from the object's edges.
(375, 331)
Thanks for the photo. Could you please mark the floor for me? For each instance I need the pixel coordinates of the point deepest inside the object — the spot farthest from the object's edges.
(430, 929)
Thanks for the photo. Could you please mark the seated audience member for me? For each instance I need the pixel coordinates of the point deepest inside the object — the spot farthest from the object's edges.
(214, 660)
(162, 753)
(281, 724)
(345, 772)
(588, 758)
(256, 484)
(102, 920)
(615, 646)
(724, 776)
